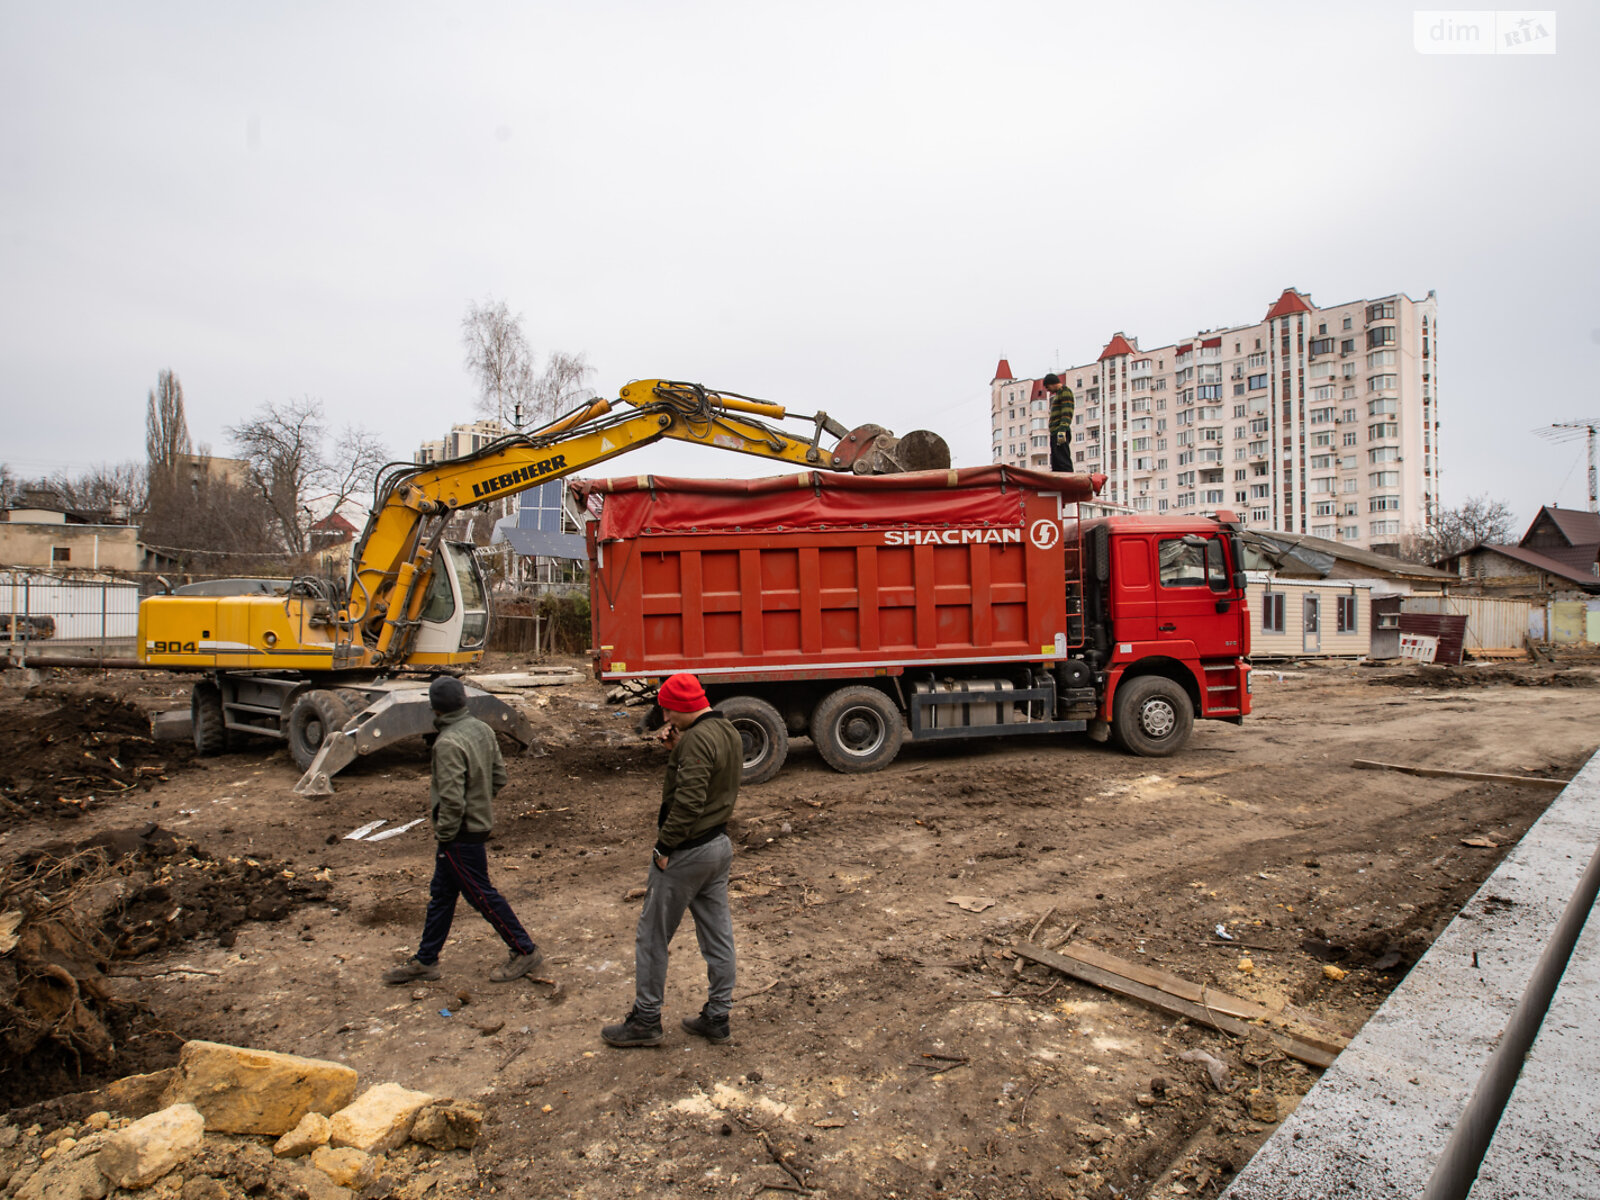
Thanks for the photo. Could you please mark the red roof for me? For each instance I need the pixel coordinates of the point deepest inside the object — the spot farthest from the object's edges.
(335, 522)
(1578, 526)
(1003, 371)
(1210, 342)
(1117, 345)
(1542, 562)
(1290, 302)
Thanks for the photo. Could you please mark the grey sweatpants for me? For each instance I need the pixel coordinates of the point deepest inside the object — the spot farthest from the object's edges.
(697, 880)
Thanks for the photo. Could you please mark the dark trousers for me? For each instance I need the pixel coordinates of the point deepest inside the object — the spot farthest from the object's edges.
(462, 869)
(1060, 456)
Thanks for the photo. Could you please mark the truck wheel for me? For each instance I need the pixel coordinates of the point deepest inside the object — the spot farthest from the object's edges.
(762, 730)
(205, 713)
(1153, 716)
(312, 717)
(857, 729)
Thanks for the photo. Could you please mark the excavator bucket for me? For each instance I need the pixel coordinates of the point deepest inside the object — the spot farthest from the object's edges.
(402, 712)
(873, 450)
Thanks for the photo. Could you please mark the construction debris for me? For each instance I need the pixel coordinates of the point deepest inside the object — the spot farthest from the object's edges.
(112, 1148)
(1554, 785)
(1168, 993)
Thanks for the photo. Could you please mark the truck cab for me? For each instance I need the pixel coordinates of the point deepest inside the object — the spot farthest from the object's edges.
(1168, 623)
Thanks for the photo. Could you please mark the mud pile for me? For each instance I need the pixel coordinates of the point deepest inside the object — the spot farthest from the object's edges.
(71, 911)
(63, 750)
(1484, 677)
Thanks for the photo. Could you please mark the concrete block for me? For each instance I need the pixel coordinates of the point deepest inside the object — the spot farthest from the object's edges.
(152, 1146)
(257, 1091)
(448, 1125)
(313, 1131)
(1376, 1123)
(380, 1120)
(346, 1166)
(1548, 1140)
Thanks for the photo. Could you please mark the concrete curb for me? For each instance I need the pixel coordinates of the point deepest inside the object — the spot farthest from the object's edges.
(1408, 1108)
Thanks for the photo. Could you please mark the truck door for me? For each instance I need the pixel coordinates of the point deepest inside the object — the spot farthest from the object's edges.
(1195, 599)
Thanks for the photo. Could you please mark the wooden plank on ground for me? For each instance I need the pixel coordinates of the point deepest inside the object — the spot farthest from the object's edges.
(1207, 997)
(1554, 785)
(1122, 985)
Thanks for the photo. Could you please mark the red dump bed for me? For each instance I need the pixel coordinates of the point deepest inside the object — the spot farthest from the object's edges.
(823, 575)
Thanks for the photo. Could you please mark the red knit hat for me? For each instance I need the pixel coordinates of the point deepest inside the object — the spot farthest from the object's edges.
(682, 693)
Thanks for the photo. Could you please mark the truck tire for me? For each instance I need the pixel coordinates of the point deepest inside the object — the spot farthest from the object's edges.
(205, 714)
(1153, 716)
(857, 729)
(313, 716)
(763, 732)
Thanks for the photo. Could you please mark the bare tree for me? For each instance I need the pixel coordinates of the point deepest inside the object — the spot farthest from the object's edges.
(283, 445)
(1479, 519)
(499, 355)
(102, 489)
(358, 455)
(166, 429)
(10, 485)
(562, 384)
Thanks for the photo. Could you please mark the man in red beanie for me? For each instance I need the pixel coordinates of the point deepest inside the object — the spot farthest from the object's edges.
(688, 866)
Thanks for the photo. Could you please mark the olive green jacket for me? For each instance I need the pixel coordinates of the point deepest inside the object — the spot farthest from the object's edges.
(467, 772)
(702, 782)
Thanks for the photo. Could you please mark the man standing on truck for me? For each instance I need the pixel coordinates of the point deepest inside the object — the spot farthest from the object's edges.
(468, 772)
(688, 866)
(1061, 406)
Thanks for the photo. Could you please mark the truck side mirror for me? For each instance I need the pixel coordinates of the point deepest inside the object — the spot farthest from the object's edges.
(1239, 581)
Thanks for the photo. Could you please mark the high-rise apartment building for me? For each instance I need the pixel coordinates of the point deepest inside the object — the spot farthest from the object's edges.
(1322, 421)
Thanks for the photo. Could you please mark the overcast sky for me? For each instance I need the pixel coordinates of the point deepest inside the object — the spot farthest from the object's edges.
(857, 207)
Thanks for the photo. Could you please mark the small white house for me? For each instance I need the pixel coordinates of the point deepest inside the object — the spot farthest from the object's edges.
(1309, 618)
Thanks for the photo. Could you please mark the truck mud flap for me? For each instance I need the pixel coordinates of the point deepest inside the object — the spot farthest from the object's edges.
(393, 717)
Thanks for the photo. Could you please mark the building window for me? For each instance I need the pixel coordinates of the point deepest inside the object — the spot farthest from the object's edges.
(1380, 312)
(1381, 335)
(1257, 382)
(60, 554)
(1322, 345)
(1347, 614)
(1272, 611)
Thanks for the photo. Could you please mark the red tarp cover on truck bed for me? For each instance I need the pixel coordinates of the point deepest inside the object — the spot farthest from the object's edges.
(641, 505)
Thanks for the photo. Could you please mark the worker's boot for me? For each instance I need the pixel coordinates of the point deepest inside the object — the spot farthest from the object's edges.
(411, 970)
(516, 966)
(713, 1029)
(633, 1031)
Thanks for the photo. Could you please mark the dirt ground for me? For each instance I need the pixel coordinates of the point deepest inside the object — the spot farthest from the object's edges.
(885, 1043)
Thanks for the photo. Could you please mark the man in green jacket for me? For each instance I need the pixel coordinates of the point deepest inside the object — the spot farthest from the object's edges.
(468, 771)
(1061, 406)
(688, 866)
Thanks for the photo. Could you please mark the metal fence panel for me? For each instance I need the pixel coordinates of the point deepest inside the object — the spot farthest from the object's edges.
(45, 611)
(1492, 624)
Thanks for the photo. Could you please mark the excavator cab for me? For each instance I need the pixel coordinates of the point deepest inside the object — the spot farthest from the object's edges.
(454, 621)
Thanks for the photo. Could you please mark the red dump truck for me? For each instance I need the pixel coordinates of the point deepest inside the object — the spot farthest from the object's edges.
(864, 610)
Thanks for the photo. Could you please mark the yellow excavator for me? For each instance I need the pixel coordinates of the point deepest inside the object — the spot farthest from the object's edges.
(339, 670)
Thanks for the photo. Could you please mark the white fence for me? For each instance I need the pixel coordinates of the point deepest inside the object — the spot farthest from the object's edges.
(39, 612)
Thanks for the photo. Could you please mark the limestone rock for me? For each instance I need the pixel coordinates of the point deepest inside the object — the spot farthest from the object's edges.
(346, 1166)
(448, 1125)
(313, 1131)
(257, 1091)
(205, 1187)
(380, 1120)
(142, 1153)
(138, 1095)
(300, 1178)
(71, 1174)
